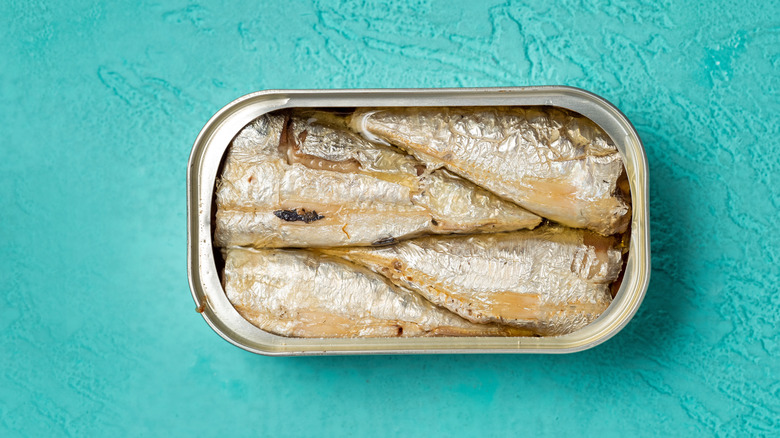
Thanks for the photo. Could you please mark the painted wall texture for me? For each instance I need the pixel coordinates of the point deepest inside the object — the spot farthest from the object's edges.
(100, 103)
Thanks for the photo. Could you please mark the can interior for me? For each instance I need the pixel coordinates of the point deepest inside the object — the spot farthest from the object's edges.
(623, 188)
(206, 263)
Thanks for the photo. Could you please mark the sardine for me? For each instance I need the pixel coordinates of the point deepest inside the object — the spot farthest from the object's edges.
(552, 280)
(557, 164)
(298, 293)
(305, 181)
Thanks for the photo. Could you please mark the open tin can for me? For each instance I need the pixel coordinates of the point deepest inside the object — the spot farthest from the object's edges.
(214, 139)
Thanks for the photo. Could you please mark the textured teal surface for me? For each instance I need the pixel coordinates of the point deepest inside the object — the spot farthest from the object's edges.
(100, 103)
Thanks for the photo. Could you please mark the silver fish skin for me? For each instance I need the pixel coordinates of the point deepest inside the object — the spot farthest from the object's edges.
(298, 293)
(557, 164)
(306, 182)
(552, 280)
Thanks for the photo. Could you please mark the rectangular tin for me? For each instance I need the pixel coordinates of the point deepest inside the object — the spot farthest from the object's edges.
(213, 140)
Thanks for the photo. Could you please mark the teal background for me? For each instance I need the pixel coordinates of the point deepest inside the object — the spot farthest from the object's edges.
(100, 103)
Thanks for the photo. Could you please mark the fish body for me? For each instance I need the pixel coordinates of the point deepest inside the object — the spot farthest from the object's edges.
(556, 164)
(551, 280)
(299, 293)
(304, 181)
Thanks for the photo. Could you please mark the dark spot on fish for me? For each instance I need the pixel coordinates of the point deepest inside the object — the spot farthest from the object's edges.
(201, 308)
(434, 222)
(400, 330)
(386, 241)
(251, 178)
(397, 265)
(298, 215)
(420, 168)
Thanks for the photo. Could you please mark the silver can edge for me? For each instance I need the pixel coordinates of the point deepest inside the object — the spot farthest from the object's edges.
(213, 139)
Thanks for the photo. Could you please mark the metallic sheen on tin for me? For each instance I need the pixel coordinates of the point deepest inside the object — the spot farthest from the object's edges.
(210, 147)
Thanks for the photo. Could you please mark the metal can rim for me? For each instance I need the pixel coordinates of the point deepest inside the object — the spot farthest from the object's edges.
(213, 139)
